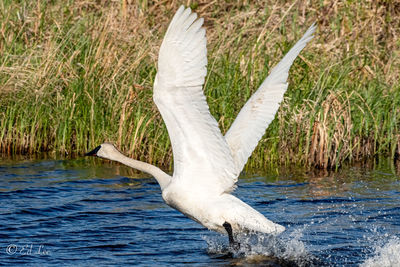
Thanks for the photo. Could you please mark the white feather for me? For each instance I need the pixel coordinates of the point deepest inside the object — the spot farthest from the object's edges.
(201, 154)
(258, 112)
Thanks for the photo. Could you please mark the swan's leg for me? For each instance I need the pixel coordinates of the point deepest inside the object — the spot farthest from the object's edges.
(228, 229)
(232, 242)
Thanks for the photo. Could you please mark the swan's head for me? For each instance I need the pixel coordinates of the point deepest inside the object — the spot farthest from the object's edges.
(105, 151)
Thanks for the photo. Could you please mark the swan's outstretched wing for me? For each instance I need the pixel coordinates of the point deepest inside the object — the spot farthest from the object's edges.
(202, 157)
(254, 118)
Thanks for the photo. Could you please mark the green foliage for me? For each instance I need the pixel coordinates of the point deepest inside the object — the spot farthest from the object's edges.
(74, 74)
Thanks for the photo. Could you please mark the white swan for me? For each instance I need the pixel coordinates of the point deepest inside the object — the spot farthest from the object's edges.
(206, 163)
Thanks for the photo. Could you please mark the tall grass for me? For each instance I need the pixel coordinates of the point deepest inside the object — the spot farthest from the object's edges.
(76, 73)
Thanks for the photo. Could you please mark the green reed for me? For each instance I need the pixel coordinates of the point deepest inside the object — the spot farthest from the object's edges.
(75, 74)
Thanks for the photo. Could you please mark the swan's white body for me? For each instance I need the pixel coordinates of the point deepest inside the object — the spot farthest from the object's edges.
(206, 163)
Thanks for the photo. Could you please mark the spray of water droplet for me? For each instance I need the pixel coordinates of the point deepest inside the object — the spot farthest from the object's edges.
(259, 248)
(387, 255)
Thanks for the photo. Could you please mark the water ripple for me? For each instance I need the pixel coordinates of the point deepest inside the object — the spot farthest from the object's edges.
(73, 213)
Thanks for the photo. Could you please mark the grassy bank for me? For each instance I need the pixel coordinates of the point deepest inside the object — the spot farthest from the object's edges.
(76, 73)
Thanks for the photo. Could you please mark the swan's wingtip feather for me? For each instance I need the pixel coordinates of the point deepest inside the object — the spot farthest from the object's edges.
(311, 30)
(178, 13)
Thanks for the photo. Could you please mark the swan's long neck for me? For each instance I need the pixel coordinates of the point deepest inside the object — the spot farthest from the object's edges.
(162, 178)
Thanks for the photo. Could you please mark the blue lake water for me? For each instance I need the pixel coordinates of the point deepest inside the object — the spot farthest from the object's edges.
(89, 212)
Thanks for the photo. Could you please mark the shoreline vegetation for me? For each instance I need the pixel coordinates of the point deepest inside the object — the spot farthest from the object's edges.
(74, 74)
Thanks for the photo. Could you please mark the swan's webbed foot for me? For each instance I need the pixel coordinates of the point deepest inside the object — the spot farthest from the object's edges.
(233, 244)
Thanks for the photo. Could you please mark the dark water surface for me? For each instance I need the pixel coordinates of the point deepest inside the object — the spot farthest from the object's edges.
(76, 212)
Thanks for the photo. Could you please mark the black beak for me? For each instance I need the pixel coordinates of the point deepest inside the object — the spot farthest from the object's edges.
(93, 152)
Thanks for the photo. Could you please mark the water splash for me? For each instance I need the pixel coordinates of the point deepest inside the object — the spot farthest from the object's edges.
(284, 250)
(385, 256)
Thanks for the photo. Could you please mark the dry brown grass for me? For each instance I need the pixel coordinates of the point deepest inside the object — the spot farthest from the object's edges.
(76, 74)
